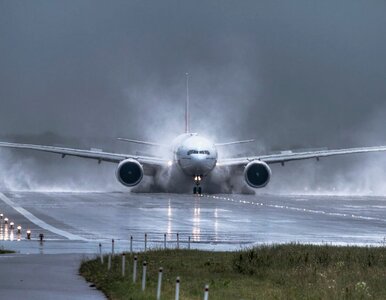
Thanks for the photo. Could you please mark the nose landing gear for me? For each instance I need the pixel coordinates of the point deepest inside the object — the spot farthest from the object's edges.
(197, 189)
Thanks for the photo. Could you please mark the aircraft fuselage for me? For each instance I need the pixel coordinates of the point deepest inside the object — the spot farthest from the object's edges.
(194, 154)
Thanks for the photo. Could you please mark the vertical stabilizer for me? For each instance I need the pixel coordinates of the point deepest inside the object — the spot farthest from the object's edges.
(187, 129)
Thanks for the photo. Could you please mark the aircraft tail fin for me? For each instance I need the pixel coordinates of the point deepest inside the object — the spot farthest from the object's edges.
(187, 117)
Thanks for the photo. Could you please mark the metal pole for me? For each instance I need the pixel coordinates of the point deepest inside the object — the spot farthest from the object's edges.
(123, 264)
(131, 244)
(144, 276)
(177, 288)
(145, 241)
(112, 247)
(164, 240)
(178, 241)
(159, 284)
(135, 269)
(189, 242)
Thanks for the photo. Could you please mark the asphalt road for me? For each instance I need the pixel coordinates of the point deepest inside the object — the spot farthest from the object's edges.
(40, 277)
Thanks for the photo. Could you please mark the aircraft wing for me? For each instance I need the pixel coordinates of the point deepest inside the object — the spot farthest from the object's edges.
(289, 156)
(233, 143)
(93, 154)
(141, 142)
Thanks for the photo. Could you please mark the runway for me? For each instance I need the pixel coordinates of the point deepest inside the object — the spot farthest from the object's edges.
(78, 222)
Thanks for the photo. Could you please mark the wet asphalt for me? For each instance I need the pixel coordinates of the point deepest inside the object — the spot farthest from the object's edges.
(74, 224)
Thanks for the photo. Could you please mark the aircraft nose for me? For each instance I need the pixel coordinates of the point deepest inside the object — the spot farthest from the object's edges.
(200, 163)
(200, 160)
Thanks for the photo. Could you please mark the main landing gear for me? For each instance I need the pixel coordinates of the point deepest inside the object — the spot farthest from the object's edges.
(197, 189)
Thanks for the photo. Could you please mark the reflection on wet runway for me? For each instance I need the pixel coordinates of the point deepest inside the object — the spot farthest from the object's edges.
(77, 222)
(196, 223)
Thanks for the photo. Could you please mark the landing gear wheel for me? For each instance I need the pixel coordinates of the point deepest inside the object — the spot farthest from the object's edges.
(195, 190)
(199, 190)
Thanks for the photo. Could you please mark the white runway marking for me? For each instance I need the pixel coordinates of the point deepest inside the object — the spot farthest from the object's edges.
(40, 222)
(312, 211)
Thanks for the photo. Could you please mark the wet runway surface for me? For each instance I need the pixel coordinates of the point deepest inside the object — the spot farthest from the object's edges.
(78, 222)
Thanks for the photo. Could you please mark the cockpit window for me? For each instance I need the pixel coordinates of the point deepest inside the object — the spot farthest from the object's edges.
(204, 152)
(198, 152)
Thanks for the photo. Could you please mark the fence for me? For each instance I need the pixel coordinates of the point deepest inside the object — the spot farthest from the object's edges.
(158, 291)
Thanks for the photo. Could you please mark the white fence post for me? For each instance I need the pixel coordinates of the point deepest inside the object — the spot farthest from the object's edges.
(123, 264)
(159, 284)
(206, 293)
(135, 269)
(109, 263)
(144, 276)
(178, 288)
(112, 247)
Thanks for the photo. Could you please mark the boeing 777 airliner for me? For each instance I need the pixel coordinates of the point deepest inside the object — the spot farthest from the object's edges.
(195, 156)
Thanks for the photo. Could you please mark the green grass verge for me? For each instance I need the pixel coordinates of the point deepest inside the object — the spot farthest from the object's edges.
(2, 251)
(270, 272)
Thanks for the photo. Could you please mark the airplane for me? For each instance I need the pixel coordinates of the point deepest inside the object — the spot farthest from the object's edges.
(194, 155)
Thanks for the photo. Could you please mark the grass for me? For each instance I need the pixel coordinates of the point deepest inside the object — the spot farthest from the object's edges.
(289, 271)
(3, 251)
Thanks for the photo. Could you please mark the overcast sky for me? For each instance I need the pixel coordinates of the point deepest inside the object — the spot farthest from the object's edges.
(287, 73)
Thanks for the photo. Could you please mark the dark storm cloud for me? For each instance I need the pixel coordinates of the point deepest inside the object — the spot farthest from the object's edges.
(287, 73)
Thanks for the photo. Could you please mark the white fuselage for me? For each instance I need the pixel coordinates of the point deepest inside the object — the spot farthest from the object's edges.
(195, 155)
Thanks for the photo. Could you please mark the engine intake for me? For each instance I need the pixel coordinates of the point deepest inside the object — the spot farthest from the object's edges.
(129, 172)
(257, 174)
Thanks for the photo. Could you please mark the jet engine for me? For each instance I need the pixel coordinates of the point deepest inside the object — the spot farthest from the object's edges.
(257, 174)
(129, 172)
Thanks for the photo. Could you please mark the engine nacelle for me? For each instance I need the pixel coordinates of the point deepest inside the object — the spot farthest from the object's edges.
(129, 172)
(257, 174)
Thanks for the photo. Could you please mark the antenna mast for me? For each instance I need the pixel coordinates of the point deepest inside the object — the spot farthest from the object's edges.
(187, 105)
